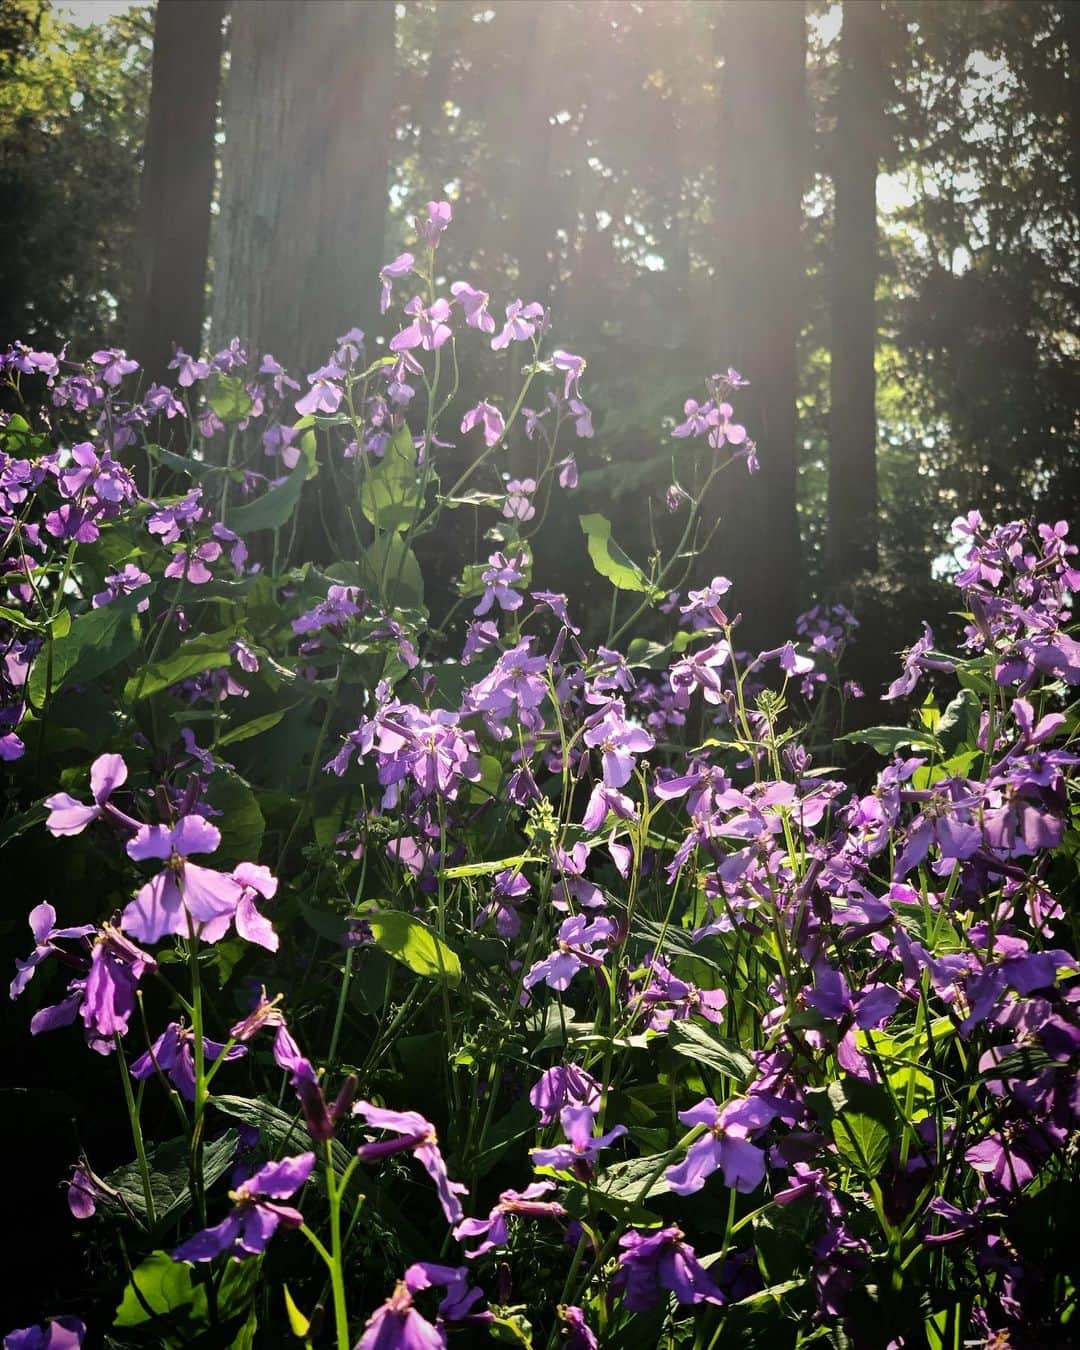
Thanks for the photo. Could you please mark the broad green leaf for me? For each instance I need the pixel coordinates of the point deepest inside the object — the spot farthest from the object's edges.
(274, 508)
(197, 469)
(97, 641)
(609, 559)
(693, 1041)
(887, 740)
(229, 399)
(164, 1286)
(169, 1180)
(863, 1125)
(283, 1132)
(390, 497)
(411, 942)
(390, 569)
(210, 651)
(241, 821)
(958, 726)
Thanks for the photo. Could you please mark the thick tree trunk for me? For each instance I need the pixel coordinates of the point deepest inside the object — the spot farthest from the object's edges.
(760, 273)
(851, 545)
(173, 236)
(304, 175)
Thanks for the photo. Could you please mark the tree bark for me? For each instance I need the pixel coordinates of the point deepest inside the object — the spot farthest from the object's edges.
(759, 294)
(304, 175)
(852, 539)
(173, 234)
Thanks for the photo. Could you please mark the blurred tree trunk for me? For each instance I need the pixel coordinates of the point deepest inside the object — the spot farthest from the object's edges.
(760, 274)
(852, 541)
(1070, 15)
(308, 110)
(173, 233)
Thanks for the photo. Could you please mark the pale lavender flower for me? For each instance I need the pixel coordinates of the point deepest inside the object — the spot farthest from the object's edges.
(489, 418)
(439, 215)
(577, 938)
(45, 932)
(475, 304)
(726, 1146)
(524, 1204)
(393, 271)
(520, 324)
(568, 472)
(518, 504)
(67, 815)
(429, 328)
(579, 1153)
(115, 365)
(184, 896)
(325, 394)
(573, 366)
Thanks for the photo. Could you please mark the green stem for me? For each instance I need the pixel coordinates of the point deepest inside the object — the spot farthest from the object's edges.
(337, 1274)
(136, 1133)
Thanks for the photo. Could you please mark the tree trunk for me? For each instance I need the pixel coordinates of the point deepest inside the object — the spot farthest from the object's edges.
(759, 292)
(304, 175)
(173, 235)
(852, 540)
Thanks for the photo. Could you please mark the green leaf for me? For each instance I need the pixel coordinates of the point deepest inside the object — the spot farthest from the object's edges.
(609, 559)
(255, 727)
(388, 567)
(283, 1132)
(863, 1125)
(958, 726)
(210, 651)
(411, 942)
(229, 399)
(241, 821)
(164, 1286)
(695, 1042)
(390, 497)
(169, 1180)
(887, 740)
(97, 641)
(274, 508)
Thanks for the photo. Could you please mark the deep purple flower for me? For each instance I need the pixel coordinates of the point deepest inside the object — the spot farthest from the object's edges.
(562, 1086)
(662, 1261)
(916, 660)
(579, 1153)
(525, 1204)
(129, 578)
(61, 1333)
(417, 1136)
(577, 1334)
(508, 888)
(726, 1146)
(116, 967)
(172, 1053)
(184, 896)
(255, 1217)
(666, 999)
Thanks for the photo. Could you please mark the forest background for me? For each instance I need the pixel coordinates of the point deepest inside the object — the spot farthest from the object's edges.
(871, 209)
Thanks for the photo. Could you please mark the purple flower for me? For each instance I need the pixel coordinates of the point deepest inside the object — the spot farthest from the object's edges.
(562, 1086)
(582, 416)
(393, 271)
(518, 504)
(190, 369)
(916, 660)
(568, 472)
(520, 324)
(668, 999)
(499, 578)
(43, 927)
(475, 305)
(172, 1054)
(342, 603)
(129, 578)
(325, 394)
(573, 366)
(485, 415)
(493, 1229)
(577, 1334)
(184, 896)
(618, 742)
(417, 1136)
(508, 888)
(725, 1147)
(116, 967)
(579, 1153)
(61, 1333)
(439, 215)
(255, 1217)
(649, 1265)
(115, 365)
(429, 328)
(577, 937)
